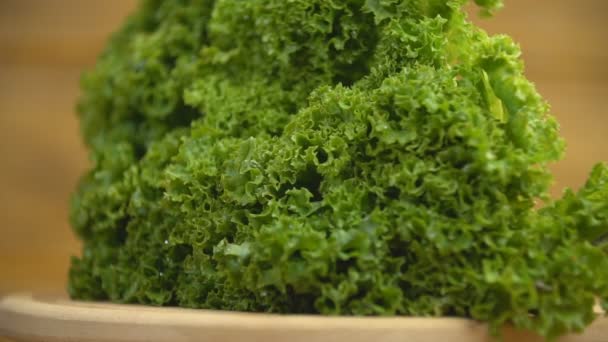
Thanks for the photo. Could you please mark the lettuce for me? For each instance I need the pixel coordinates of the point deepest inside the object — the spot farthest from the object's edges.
(343, 157)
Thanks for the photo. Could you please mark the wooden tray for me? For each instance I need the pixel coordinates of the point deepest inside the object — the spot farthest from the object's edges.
(27, 317)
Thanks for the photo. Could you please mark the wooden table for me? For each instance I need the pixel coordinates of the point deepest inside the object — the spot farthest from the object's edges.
(45, 44)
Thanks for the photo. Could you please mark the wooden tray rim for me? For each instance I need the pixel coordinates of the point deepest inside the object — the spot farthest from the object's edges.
(57, 318)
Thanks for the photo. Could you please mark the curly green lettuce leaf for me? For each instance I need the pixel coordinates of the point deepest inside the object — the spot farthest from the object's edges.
(361, 157)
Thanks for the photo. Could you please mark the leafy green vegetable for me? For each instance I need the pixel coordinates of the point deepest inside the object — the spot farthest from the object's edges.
(344, 157)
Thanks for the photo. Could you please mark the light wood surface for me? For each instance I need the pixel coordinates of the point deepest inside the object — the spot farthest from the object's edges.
(46, 44)
(54, 318)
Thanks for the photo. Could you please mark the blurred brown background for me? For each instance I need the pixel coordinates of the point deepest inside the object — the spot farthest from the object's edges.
(46, 44)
